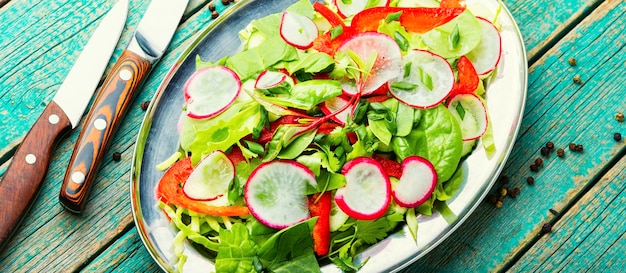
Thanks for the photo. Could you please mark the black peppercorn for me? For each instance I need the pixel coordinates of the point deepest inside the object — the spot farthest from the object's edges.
(225, 2)
(214, 14)
(211, 6)
(539, 162)
(530, 180)
(545, 151)
(534, 168)
(144, 105)
(617, 136)
(579, 148)
(572, 146)
(546, 228)
(560, 152)
(117, 156)
(503, 179)
(550, 145)
(511, 193)
(492, 199)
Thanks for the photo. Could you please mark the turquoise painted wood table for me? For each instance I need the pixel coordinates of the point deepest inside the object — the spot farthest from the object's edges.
(571, 219)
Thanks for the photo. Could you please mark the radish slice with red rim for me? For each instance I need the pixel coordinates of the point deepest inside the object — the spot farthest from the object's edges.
(366, 195)
(269, 79)
(386, 66)
(471, 113)
(298, 30)
(276, 193)
(416, 184)
(209, 91)
(335, 104)
(349, 8)
(210, 179)
(425, 81)
(486, 56)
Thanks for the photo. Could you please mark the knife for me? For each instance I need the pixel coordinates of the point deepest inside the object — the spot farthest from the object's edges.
(151, 38)
(25, 175)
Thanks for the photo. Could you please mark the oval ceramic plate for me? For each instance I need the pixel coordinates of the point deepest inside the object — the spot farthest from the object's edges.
(157, 140)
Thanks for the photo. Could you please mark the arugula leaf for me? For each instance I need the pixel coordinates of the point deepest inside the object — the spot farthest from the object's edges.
(236, 251)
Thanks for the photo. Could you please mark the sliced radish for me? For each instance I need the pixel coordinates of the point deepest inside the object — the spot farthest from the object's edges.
(210, 91)
(417, 182)
(276, 193)
(366, 194)
(269, 79)
(471, 113)
(210, 179)
(387, 65)
(298, 30)
(349, 8)
(425, 81)
(335, 104)
(486, 55)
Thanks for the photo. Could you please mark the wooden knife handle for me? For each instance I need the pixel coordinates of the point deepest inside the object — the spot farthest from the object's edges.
(23, 179)
(109, 107)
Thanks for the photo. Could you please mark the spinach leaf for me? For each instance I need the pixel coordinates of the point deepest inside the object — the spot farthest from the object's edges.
(290, 248)
(236, 251)
(438, 139)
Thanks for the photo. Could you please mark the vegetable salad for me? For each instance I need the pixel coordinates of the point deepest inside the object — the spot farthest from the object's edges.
(334, 126)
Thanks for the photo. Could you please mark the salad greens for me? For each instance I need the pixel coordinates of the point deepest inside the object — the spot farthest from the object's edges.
(286, 122)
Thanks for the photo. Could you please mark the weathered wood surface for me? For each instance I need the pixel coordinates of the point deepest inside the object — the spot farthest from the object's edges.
(42, 39)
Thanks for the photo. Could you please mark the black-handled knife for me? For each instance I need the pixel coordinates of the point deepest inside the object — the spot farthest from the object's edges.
(25, 175)
(151, 38)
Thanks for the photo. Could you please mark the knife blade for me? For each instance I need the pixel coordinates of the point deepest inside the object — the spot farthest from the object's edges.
(27, 170)
(148, 44)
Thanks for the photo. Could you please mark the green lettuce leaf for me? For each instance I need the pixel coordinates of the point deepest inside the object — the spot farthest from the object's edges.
(203, 136)
(236, 251)
(308, 94)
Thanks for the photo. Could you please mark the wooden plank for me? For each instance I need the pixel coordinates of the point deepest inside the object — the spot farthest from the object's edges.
(545, 23)
(558, 110)
(127, 254)
(107, 213)
(592, 232)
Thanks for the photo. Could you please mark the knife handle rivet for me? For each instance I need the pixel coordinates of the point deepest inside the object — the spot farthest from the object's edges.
(125, 74)
(53, 119)
(100, 124)
(78, 177)
(30, 159)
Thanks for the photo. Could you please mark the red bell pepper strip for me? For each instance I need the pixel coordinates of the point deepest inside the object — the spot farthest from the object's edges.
(170, 190)
(467, 77)
(391, 168)
(320, 206)
(418, 19)
(451, 4)
(332, 17)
